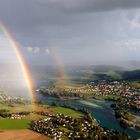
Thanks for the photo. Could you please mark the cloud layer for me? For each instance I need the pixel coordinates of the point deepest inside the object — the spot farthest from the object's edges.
(99, 30)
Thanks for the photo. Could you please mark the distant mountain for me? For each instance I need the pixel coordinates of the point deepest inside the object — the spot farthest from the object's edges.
(131, 75)
(42, 75)
(106, 68)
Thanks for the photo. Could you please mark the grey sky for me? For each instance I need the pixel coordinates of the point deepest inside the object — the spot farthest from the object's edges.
(82, 31)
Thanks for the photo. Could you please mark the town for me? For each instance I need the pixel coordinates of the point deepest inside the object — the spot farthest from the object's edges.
(109, 90)
(59, 126)
(11, 100)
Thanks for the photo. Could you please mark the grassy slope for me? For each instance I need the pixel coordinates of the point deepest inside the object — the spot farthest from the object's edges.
(20, 107)
(113, 74)
(9, 124)
(109, 97)
(136, 84)
(67, 111)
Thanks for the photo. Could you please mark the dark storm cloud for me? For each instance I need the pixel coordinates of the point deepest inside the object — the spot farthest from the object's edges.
(88, 26)
(93, 5)
(30, 14)
(29, 19)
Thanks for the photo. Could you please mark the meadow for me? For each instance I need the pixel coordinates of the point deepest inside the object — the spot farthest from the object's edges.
(16, 124)
(10, 124)
(67, 111)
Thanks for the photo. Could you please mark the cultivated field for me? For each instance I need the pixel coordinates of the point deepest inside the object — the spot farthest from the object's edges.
(21, 135)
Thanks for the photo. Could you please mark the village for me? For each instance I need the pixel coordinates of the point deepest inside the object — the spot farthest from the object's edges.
(59, 126)
(119, 91)
(7, 99)
(109, 90)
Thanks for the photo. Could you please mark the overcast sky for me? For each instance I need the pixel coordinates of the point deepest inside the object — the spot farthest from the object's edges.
(75, 31)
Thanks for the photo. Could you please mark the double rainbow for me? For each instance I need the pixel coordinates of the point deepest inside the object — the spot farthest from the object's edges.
(59, 65)
(20, 58)
(23, 65)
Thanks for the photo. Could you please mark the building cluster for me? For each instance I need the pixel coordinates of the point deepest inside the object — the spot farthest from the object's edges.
(129, 93)
(11, 99)
(137, 101)
(58, 126)
(80, 90)
(17, 116)
(117, 88)
(102, 88)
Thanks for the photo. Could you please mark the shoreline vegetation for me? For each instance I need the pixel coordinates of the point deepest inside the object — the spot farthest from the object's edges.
(127, 120)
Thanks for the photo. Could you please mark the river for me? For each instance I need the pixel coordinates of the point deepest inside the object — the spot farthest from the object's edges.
(100, 110)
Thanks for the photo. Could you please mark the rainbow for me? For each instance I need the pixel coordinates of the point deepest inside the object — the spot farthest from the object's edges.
(56, 58)
(63, 77)
(21, 61)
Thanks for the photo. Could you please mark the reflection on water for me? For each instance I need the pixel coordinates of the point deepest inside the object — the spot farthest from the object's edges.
(101, 110)
(90, 104)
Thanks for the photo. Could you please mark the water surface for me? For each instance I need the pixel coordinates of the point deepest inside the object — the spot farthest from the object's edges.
(100, 110)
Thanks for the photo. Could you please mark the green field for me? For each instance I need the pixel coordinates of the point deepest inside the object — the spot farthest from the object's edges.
(67, 111)
(113, 74)
(21, 108)
(108, 97)
(136, 84)
(9, 124)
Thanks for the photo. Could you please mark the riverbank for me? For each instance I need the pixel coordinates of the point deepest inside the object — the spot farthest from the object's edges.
(100, 110)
